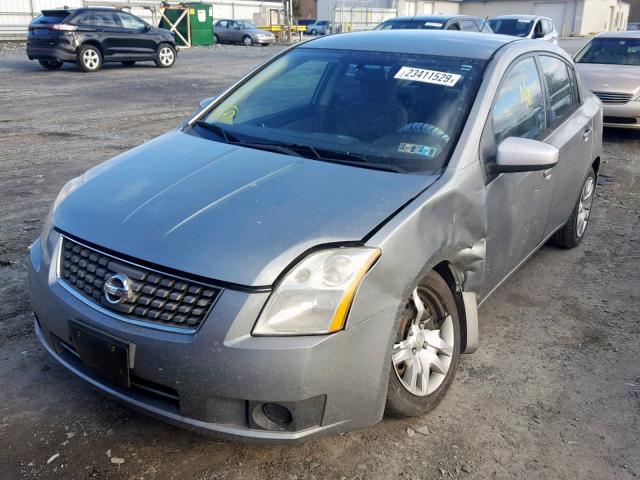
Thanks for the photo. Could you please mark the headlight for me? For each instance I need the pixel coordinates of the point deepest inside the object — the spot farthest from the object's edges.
(314, 298)
(69, 187)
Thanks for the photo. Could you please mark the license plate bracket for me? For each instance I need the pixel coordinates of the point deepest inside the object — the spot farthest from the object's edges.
(101, 353)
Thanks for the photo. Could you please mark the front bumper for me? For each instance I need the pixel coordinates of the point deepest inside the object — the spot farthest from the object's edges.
(264, 40)
(622, 116)
(215, 380)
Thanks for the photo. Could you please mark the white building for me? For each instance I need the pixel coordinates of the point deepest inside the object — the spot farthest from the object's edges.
(571, 17)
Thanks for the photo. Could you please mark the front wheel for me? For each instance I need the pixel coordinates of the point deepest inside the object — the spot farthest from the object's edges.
(247, 40)
(573, 231)
(426, 350)
(89, 58)
(165, 56)
(51, 64)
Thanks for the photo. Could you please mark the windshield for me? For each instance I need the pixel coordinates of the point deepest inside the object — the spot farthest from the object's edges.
(411, 25)
(246, 25)
(618, 51)
(511, 26)
(392, 111)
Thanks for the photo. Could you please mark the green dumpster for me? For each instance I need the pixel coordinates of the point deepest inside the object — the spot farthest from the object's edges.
(200, 18)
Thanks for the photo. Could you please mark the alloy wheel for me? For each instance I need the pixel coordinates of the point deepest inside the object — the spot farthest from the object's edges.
(166, 56)
(421, 359)
(91, 59)
(584, 206)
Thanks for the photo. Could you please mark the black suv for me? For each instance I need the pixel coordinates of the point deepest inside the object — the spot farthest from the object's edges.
(92, 36)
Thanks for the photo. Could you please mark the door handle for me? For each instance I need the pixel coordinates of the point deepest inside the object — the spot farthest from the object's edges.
(586, 134)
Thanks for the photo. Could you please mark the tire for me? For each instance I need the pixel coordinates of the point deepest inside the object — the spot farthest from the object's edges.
(573, 231)
(51, 64)
(440, 352)
(129, 63)
(165, 56)
(216, 38)
(89, 58)
(314, 32)
(246, 40)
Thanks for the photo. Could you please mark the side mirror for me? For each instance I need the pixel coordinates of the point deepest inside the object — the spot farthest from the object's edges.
(206, 102)
(524, 155)
(147, 28)
(538, 35)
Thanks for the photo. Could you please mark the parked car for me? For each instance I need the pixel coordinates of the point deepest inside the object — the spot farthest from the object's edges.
(525, 26)
(311, 248)
(304, 22)
(610, 67)
(633, 26)
(241, 31)
(437, 22)
(91, 37)
(320, 27)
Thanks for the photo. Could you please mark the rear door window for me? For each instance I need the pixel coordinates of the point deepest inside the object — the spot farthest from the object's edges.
(98, 19)
(519, 109)
(561, 97)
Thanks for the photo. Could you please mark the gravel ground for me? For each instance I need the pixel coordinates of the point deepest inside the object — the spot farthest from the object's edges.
(553, 392)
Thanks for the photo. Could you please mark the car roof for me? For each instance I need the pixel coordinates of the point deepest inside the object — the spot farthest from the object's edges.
(623, 34)
(430, 18)
(519, 17)
(421, 42)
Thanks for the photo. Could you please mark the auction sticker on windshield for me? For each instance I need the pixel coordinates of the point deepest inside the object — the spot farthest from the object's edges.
(427, 76)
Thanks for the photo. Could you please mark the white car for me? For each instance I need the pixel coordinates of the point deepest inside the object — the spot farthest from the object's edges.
(525, 26)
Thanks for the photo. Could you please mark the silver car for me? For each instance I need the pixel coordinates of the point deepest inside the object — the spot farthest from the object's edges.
(311, 248)
(241, 31)
(610, 67)
(525, 26)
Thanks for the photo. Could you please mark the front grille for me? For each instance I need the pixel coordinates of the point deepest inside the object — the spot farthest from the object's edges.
(157, 298)
(614, 98)
(620, 120)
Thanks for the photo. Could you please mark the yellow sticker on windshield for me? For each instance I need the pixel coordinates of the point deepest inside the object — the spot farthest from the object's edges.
(427, 76)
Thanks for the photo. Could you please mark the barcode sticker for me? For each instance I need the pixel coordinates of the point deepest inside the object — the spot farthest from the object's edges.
(427, 76)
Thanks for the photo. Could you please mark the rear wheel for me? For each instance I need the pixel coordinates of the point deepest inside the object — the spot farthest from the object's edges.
(165, 56)
(89, 58)
(216, 38)
(247, 40)
(51, 64)
(573, 231)
(426, 350)
(129, 63)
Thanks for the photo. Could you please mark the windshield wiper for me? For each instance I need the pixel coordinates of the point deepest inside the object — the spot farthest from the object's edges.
(358, 159)
(307, 151)
(218, 130)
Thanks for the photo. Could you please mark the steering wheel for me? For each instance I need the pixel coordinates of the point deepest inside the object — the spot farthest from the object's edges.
(440, 137)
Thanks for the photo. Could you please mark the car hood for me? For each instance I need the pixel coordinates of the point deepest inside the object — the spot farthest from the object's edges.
(610, 78)
(225, 212)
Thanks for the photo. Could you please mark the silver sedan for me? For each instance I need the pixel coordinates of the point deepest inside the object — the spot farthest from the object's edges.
(610, 67)
(309, 251)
